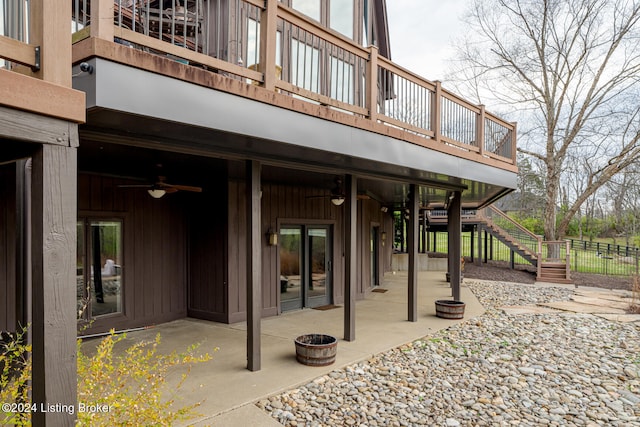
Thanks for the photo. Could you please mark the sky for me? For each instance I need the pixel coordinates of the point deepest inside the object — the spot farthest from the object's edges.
(422, 32)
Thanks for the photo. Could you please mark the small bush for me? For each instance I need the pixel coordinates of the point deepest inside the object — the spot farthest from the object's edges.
(15, 373)
(131, 384)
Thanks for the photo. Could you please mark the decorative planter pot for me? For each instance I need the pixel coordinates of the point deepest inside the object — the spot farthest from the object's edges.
(316, 349)
(448, 309)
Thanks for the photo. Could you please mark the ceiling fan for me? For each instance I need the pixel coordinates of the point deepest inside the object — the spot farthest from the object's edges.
(161, 187)
(337, 193)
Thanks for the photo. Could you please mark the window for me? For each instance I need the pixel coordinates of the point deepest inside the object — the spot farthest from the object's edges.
(311, 8)
(335, 14)
(99, 267)
(341, 16)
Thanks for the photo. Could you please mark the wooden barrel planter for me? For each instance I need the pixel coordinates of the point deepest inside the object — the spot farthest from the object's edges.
(316, 349)
(448, 309)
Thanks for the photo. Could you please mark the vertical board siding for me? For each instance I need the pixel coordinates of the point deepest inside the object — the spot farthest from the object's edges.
(207, 256)
(7, 247)
(281, 203)
(155, 249)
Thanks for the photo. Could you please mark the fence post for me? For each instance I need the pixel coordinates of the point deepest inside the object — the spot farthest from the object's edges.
(539, 266)
(568, 261)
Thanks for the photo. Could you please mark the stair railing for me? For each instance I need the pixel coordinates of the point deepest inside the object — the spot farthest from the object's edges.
(501, 220)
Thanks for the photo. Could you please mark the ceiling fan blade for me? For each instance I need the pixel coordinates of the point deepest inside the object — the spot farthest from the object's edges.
(169, 190)
(318, 197)
(183, 187)
(135, 186)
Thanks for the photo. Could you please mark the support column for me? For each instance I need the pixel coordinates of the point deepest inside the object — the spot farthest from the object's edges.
(425, 241)
(254, 265)
(53, 224)
(350, 256)
(454, 228)
(472, 246)
(412, 248)
(479, 259)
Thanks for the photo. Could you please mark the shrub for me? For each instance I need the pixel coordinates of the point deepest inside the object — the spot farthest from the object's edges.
(131, 384)
(15, 373)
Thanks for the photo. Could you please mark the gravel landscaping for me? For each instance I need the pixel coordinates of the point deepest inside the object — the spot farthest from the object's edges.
(555, 368)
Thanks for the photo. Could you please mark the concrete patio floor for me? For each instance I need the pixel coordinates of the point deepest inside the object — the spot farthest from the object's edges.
(227, 389)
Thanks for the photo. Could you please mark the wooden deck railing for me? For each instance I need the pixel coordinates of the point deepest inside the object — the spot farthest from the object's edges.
(35, 61)
(320, 66)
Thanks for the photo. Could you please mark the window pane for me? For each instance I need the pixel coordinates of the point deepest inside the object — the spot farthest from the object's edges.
(253, 42)
(310, 8)
(341, 17)
(105, 253)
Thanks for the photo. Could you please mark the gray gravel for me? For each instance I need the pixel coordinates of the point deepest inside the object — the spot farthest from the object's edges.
(497, 369)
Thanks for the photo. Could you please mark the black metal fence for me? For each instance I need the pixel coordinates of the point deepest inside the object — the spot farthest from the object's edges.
(604, 258)
(585, 257)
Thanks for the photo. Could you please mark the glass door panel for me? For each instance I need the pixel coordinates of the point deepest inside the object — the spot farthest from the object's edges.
(106, 267)
(305, 266)
(290, 267)
(318, 266)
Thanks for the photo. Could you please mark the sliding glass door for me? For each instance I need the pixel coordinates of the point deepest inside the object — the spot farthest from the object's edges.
(305, 266)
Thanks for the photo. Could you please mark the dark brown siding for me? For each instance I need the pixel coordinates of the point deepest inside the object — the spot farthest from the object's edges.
(8, 248)
(208, 297)
(155, 249)
(282, 204)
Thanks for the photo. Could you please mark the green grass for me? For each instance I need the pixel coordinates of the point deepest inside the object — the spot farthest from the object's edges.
(583, 261)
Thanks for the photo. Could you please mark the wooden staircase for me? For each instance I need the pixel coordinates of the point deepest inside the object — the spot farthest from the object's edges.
(554, 272)
(545, 256)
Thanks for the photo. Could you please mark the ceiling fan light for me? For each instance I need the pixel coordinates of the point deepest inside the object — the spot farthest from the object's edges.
(337, 200)
(156, 193)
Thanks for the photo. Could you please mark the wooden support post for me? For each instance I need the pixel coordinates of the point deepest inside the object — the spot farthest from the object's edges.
(479, 259)
(454, 227)
(425, 241)
(434, 242)
(53, 225)
(371, 94)
(436, 112)
(480, 129)
(350, 256)
(254, 265)
(268, 32)
(413, 254)
(514, 138)
(102, 14)
(472, 246)
(49, 30)
(486, 246)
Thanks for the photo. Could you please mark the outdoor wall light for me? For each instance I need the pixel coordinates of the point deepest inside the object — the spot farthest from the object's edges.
(272, 238)
(156, 193)
(384, 209)
(337, 200)
(383, 237)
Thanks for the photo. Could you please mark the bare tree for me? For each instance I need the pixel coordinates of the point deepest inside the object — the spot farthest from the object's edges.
(569, 72)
